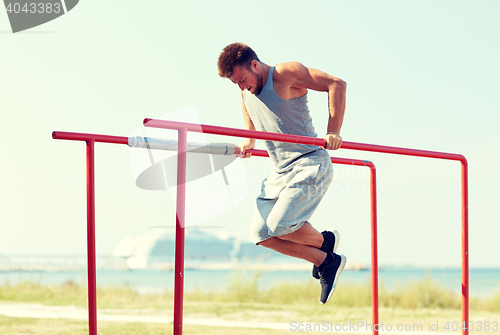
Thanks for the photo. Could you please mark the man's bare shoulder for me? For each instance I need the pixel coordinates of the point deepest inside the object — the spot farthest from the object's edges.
(290, 71)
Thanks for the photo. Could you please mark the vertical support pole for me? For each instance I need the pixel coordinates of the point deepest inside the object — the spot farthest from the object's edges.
(465, 248)
(373, 199)
(91, 263)
(179, 231)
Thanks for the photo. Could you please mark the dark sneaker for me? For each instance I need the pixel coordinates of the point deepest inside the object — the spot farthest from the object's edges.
(329, 277)
(333, 240)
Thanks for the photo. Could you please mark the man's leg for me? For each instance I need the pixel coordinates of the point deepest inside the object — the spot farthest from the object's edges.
(305, 243)
(305, 235)
(326, 241)
(297, 250)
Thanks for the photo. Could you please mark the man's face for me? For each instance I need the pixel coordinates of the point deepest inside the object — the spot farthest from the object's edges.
(247, 79)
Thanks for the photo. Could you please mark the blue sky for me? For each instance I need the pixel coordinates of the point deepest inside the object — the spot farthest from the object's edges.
(420, 74)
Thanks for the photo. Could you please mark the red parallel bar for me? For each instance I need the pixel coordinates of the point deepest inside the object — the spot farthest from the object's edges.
(180, 231)
(373, 214)
(401, 151)
(354, 146)
(335, 160)
(90, 139)
(62, 135)
(201, 128)
(91, 261)
(179, 282)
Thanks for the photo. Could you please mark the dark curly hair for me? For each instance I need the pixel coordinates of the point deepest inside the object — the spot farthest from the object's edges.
(235, 54)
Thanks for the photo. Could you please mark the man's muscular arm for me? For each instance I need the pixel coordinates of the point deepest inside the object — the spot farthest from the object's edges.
(336, 106)
(249, 142)
(297, 78)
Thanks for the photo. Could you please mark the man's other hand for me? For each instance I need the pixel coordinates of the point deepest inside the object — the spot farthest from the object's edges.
(249, 144)
(333, 141)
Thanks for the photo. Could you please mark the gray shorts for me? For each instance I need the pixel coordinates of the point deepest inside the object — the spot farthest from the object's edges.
(290, 198)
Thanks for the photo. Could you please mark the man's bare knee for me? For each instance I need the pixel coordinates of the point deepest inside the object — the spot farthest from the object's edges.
(269, 243)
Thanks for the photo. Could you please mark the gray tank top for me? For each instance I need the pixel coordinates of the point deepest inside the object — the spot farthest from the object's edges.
(270, 113)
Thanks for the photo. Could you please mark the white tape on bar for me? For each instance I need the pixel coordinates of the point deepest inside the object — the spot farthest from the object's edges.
(171, 145)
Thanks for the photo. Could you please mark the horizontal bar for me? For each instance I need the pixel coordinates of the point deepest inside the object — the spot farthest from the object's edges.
(62, 135)
(402, 151)
(356, 162)
(171, 145)
(201, 128)
(335, 160)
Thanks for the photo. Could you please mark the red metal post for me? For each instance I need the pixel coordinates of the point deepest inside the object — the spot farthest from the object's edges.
(180, 232)
(373, 202)
(465, 247)
(91, 262)
(374, 236)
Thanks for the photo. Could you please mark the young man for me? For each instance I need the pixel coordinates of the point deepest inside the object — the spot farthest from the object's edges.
(275, 100)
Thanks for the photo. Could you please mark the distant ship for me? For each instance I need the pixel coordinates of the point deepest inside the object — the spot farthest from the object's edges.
(156, 249)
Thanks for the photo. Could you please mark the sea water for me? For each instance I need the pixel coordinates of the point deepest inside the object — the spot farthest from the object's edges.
(482, 282)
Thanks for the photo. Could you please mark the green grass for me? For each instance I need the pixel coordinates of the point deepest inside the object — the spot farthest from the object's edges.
(14, 326)
(70, 293)
(421, 302)
(417, 294)
(425, 293)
